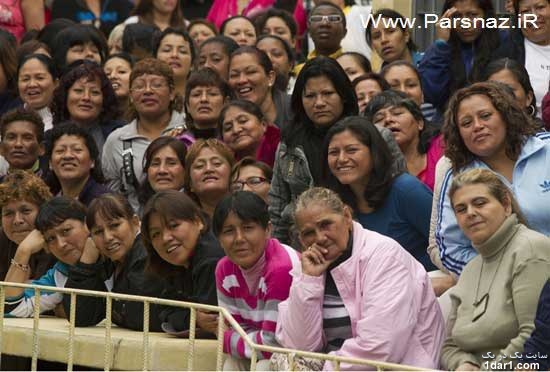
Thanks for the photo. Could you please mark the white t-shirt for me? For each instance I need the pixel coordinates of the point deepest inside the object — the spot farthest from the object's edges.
(537, 64)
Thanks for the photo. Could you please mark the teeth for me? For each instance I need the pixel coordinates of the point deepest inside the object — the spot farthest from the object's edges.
(172, 248)
(116, 85)
(113, 246)
(245, 90)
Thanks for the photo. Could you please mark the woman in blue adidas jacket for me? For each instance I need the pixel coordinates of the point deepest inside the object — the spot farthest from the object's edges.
(486, 128)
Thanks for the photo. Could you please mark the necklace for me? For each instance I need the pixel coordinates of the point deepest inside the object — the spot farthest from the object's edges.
(480, 305)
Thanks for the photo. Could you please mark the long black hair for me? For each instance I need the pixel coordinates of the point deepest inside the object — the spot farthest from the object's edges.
(295, 133)
(380, 179)
(486, 43)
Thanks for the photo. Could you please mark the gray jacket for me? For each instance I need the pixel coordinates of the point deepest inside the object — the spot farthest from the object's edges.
(113, 151)
(291, 177)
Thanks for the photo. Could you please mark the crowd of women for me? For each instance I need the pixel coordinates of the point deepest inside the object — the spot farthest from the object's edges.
(308, 193)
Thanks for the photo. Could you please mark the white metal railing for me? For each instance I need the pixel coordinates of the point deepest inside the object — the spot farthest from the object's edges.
(224, 316)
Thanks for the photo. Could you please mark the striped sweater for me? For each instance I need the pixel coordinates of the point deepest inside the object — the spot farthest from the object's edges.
(256, 310)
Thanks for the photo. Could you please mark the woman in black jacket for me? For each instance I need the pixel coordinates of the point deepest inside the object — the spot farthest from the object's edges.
(182, 249)
(115, 263)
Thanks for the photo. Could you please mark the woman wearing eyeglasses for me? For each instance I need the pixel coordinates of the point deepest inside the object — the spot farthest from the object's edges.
(155, 112)
(246, 132)
(251, 175)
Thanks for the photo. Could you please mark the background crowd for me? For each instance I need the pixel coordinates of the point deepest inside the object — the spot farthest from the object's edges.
(332, 186)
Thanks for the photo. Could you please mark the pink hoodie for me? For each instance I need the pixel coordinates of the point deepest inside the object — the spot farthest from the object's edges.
(395, 316)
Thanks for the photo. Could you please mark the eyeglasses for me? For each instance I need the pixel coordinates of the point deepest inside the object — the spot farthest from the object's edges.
(333, 18)
(251, 182)
(154, 85)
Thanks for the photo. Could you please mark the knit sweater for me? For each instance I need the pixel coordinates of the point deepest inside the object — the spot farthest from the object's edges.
(511, 268)
(256, 308)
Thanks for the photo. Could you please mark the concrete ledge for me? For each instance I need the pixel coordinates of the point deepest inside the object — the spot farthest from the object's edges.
(166, 352)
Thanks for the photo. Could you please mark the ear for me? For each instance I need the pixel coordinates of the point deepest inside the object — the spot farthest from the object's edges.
(348, 217)
(421, 124)
(407, 35)
(135, 222)
(41, 149)
(508, 205)
(93, 165)
(271, 78)
(529, 98)
(269, 229)
(2, 149)
(200, 224)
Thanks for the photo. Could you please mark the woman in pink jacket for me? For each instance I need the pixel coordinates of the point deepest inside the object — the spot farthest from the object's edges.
(359, 293)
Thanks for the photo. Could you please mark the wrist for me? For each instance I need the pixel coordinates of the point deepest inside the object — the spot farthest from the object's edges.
(22, 256)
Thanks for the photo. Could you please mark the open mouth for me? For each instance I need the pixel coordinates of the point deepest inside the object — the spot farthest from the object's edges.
(116, 85)
(172, 248)
(244, 91)
(113, 247)
(85, 107)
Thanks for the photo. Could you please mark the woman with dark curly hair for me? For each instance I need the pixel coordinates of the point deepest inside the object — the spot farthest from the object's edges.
(486, 128)
(21, 194)
(154, 111)
(85, 96)
(459, 54)
(74, 164)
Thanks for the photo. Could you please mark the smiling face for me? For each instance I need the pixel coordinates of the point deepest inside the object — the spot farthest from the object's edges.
(481, 127)
(507, 77)
(118, 71)
(209, 174)
(18, 219)
(349, 160)
(468, 9)
(114, 238)
(277, 54)
(318, 224)
(176, 51)
(20, 145)
(71, 159)
(151, 95)
(404, 79)
(541, 8)
(322, 103)
(243, 241)
(35, 84)
(213, 55)
(390, 43)
(204, 105)
(249, 80)
(365, 90)
(404, 127)
(85, 100)
(66, 241)
(200, 32)
(174, 240)
(241, 30)
(165, 171)
(478, 213)
(242, 131)
(277, 26)
(350, 65)
(87, 51)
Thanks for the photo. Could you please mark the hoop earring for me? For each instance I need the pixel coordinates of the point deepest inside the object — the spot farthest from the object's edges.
(532, 110)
